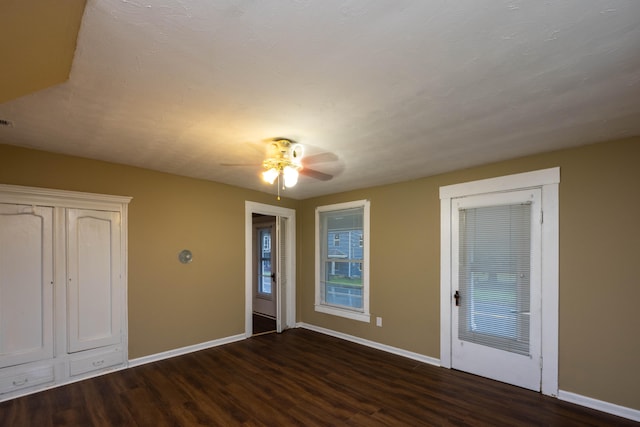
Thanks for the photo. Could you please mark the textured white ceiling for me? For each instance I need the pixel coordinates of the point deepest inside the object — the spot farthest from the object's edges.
(395, 89)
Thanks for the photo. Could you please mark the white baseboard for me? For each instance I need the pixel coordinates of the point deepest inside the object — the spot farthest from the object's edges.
(599, 405)
(184, 350)
(389, 349)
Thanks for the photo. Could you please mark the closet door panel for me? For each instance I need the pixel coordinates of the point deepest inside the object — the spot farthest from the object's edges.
(94, 288)
(26, 284)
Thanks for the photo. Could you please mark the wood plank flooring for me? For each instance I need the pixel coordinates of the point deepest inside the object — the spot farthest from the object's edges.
(298, 378)
(262, 324)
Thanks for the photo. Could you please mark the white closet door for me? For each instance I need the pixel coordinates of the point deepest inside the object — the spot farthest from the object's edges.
(26, 284)
(94, 275)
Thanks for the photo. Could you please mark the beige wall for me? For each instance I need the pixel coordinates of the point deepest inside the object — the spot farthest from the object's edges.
(599, 255)
(39, 41)
(171, 305)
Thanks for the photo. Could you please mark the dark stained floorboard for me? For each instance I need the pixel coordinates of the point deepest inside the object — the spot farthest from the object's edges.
(298, 378)
(262, 324)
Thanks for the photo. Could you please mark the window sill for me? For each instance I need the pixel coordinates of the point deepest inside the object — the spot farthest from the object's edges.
(361, 317)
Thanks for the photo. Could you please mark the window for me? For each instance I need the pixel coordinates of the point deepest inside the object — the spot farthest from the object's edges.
(342, 264)
(266, 242)
(264, 263)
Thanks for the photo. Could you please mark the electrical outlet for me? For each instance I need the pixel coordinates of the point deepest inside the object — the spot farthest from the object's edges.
(379, 321)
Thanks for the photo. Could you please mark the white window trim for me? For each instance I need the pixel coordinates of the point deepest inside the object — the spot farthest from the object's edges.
(548, 180)
(364, 315)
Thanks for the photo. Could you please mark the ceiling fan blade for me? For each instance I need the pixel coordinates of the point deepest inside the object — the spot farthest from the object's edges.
(312, 173)
(319, 158)
(241, 164)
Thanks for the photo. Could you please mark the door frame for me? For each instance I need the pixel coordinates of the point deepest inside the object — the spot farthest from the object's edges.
(290, 313)
(548, 181)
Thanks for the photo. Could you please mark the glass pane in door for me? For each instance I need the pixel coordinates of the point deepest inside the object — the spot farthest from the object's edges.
(265, 271)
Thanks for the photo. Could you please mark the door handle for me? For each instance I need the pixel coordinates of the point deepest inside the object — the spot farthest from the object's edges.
(457, 298)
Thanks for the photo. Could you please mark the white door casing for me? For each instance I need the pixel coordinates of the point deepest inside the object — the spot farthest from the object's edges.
(547, 180)
(286, 308)
(281, 273)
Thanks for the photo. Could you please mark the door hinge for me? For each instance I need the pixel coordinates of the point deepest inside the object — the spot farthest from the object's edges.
(541, 217)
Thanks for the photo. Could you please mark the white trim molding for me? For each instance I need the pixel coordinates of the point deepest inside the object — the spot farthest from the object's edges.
(548, 181)
(60, 198)
(184, 350)
(503, 183)
(599, 405)
(387, 348)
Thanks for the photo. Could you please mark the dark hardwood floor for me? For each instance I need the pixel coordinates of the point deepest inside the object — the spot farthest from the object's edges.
(296, 378)
(263, 324)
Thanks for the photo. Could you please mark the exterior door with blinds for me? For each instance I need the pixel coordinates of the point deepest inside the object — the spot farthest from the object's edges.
(496, 278)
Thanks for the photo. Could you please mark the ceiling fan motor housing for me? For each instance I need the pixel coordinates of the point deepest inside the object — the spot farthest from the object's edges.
(284, 152)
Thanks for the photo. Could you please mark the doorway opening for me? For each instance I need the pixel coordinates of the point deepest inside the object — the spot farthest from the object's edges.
(269, 268)
(265, 254)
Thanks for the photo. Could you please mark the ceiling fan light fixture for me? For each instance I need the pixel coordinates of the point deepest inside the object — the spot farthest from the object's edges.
(290, 174)
(270, 175)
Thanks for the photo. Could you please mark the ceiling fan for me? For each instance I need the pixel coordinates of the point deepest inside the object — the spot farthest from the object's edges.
(285, 161)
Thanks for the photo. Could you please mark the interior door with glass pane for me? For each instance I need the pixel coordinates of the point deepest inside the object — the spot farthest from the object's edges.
(496, 256)
(266, 289)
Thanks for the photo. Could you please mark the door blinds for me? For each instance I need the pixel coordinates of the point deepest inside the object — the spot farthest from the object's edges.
(494, 276)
